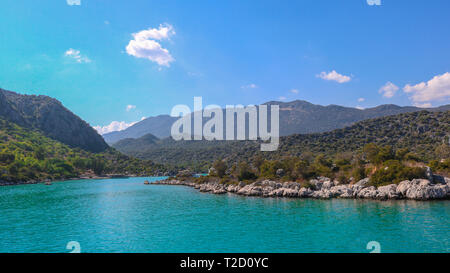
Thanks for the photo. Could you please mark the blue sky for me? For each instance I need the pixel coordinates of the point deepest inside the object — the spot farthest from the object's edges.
(229, 52)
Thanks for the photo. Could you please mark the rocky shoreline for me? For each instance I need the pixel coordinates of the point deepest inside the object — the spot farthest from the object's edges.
(325, 188)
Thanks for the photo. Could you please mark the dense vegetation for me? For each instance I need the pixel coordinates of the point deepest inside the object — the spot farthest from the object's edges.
(27, 155)
(425, 134)
(383, 165)
(51, 118)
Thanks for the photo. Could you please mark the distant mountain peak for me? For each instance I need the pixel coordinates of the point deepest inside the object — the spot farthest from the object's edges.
(296, 117)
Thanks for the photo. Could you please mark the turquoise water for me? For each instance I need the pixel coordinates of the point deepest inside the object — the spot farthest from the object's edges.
(124, 215)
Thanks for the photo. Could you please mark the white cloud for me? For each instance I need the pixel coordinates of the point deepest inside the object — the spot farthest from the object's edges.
(294, 91)
(113, 126)
(436, 89)
(73, 2)
(130, 107)
(249, 86)
(282, 98)
(359, 107)
(388, 90)
(75, 54)
(334, 76)
(361, 99)
(145, 46)
(423, 105)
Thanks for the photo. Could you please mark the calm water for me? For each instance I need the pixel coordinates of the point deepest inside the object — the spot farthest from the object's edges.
(123, 215)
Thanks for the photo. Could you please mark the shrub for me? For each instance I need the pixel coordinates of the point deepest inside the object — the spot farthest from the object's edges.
(7, 158)
(244, 172)
(220, 167)
(393, 172)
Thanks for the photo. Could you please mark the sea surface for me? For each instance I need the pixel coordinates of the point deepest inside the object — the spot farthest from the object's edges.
(124, 215)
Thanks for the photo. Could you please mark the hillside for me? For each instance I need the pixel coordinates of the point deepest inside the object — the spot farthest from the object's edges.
(51, 118)
(27, 156)
(296, 117)
(421, 132)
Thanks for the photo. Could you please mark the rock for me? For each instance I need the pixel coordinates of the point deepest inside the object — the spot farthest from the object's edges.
(403, 187)
(290, 193)
(185, 173)
(280, 172)
(269, 183)
(322, 194)
(304, 192)
(387, 192)
(317, 185)
(363, 182)
(323, 179)
(429, 174)
(422, 189)
(219, 191)
(369, 192)
(327, 184)
(418, 189)
(343, 191)
(211, 171)
(438, 179)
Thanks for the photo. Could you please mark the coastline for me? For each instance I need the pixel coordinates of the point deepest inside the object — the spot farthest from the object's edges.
(108, 176)
(325, 188)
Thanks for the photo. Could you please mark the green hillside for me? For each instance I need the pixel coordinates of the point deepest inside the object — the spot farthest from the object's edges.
(424, 133)
(27, 155)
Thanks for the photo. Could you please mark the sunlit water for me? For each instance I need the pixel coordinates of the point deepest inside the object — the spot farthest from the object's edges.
(124, 215)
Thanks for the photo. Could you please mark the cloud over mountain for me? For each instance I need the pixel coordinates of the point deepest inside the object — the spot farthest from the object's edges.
(436, 89)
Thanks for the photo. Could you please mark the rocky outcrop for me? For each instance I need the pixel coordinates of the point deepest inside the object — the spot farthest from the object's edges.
(325, 188)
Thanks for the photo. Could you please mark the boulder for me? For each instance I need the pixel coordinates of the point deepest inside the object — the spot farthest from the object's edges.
(344, 191)
(280, 172)
(322, 194)
(304, 192)
(422, 189)
(363, 182)
(317, 185)
(369, 192)
(387, 192)
(429, 174)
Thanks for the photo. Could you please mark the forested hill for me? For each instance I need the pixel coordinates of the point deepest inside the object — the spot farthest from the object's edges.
(424, 133)
(51, 118)
(27, 156)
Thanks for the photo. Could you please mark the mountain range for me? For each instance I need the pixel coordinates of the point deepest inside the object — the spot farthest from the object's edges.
(296, 117)
(420, 131)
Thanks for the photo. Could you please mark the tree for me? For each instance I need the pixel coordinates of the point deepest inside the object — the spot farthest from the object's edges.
(220, 167)
(39, 153)
(258, 160)
(244, 172)
(7, 158)
(98, 165)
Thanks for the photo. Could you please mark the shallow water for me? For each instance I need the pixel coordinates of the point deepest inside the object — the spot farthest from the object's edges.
(124, 215)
